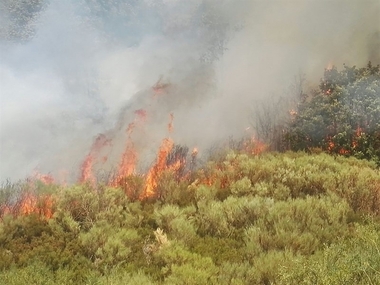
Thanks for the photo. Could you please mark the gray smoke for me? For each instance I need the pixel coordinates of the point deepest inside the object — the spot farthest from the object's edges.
(70, 70)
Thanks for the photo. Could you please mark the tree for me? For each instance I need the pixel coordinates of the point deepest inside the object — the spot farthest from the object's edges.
(343, 116)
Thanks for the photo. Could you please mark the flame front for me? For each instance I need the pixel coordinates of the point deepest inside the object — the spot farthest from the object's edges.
(157, 169)
(30, 204)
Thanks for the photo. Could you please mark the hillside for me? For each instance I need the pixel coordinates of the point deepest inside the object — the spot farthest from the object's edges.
(189, 142)
(291, 218)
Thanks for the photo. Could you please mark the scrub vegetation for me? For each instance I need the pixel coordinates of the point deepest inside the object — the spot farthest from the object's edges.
(273, 218)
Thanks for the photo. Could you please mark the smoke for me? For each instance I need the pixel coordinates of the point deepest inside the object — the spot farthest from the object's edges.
(70, 70)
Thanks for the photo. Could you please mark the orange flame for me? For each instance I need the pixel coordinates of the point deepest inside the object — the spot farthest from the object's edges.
(129, 157)
(86, 168)
(42, 206)
(44, 178)
(158, 167)
(127, 164)
(331, 147)
(255, 147)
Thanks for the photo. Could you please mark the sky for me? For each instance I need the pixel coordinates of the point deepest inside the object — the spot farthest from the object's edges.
(78, 69)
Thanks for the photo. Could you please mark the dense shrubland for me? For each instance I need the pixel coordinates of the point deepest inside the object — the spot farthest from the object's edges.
(272, 218)
(342, 116)
(268, 219)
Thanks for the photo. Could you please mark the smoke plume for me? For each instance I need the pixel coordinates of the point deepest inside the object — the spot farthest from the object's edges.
(70, 70)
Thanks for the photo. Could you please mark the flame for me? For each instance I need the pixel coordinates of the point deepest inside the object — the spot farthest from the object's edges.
(160, 165)
(86, 168)
(127, 164)
(331, 147)
(44, 178)
(359, 132)
(30, 204)
(128, 161)
(330, 144)
(254, 146)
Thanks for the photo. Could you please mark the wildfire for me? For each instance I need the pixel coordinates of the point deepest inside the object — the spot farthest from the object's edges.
(254, 146)
(331, 147)
(44, 178)
(86, 168)
(170, 157)
(129, 157)
(158, 167)
(127, 164)
(30, 204)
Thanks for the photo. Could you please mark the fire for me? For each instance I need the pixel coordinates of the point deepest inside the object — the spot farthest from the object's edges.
(44, 178)
(42, 206)
(128, 161)
(30, 204)
(331, 147)
(254, 146)
(158, 167)
(86, 168)
(127, 164)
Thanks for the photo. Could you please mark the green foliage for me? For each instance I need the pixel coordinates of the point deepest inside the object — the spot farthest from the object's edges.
(173, 190)
(354, 261)
(343, 117)
(268, 219)
(184, 267)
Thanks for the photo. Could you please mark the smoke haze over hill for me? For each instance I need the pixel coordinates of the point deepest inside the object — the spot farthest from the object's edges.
(75, 69)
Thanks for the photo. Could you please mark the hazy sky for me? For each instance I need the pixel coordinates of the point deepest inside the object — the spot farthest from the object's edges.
(88, 67)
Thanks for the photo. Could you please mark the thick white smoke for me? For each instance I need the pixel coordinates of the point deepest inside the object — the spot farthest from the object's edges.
(79, 68)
